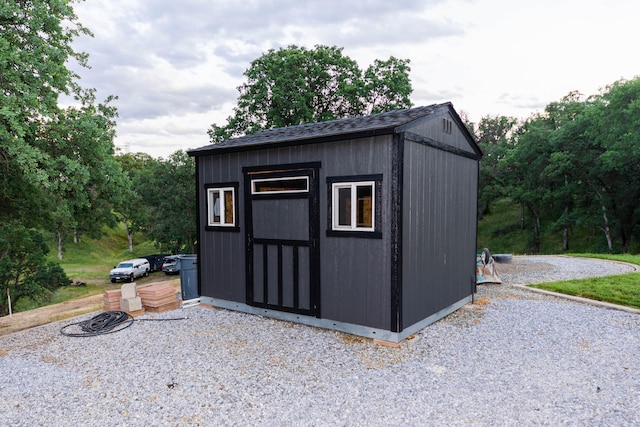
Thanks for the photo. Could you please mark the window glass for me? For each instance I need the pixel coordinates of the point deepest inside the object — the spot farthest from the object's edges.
(280, 185)
(365, 206)
(228, 207)
(216, 207)
(344, 206)
(353, 206)
(221, 205)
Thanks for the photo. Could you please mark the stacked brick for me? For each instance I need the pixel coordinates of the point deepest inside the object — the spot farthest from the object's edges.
(159, 298)
(112, 300)
(124, 299)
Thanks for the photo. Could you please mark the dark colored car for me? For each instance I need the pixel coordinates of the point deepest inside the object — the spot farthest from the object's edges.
(170, 265)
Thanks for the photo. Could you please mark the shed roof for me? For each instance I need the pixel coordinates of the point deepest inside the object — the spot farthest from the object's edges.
(354, 127)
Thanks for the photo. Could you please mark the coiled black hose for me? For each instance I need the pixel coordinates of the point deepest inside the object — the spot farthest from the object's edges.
(106, 323)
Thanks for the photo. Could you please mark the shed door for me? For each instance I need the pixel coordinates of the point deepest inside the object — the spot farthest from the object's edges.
(282, 239)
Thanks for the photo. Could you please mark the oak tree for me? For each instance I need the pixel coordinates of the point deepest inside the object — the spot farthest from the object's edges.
(295, 85)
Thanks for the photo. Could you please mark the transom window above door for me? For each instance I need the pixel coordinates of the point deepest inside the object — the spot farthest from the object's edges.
(292, 184)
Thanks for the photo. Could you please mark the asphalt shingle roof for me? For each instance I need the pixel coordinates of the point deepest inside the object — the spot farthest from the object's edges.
(374, 124)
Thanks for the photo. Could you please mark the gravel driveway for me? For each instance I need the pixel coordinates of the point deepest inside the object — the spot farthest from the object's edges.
(515, 357)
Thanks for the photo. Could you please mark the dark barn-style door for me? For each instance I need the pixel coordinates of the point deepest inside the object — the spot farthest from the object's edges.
(282, 236)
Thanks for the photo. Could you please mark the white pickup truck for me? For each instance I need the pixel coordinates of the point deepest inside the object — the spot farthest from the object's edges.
(130, 270)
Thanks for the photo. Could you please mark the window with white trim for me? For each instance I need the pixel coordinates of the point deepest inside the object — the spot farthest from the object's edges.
(221, 204)
(283, 185)
(353, 206)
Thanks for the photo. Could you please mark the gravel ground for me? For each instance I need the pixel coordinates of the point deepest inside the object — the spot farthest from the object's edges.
(514, 357)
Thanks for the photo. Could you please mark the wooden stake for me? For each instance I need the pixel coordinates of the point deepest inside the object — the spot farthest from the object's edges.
(9, 298)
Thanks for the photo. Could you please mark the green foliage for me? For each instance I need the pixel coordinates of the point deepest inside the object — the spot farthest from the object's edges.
(24, 270)
(57, 171)
(572, 168)
(35, 45)
(613, 130)
(500, 230)
(387, 85)
(294, 85)
(494, 136)
(504, 230)
(167, 189)
(57, 166)
(128, 203)
(90, 260)
(85, 178)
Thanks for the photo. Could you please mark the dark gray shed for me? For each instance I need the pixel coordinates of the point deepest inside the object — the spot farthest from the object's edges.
(365, 225)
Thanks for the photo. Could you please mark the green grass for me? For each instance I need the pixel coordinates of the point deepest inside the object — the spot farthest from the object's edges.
(72, 292)
(623, 289)
(500, 232)
(633, 259)
(90, 261)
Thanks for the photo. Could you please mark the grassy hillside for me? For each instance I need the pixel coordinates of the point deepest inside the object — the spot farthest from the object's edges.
(89, 261)
(500, 232)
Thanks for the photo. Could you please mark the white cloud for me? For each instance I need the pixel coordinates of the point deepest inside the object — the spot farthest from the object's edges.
(175, 65)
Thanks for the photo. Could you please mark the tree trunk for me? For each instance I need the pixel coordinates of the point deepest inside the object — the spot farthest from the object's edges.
(536, 235)
(129, 236)
(59, 239)
(605, 222)
(535, 221)
(565, 228)
(625, 242)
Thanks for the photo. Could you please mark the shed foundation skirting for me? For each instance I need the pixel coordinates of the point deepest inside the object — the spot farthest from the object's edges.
(349, 328)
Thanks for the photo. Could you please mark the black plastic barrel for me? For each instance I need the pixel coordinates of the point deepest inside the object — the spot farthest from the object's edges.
(189, 276)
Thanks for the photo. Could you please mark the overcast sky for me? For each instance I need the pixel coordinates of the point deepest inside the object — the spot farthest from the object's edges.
(175, 65)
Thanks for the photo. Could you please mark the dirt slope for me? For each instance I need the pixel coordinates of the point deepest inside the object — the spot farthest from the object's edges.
(67, 309)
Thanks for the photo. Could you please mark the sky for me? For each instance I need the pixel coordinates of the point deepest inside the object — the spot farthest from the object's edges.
(175, 65)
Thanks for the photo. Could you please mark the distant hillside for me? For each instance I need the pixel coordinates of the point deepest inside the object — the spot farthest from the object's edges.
(500, 231)
(91, 259)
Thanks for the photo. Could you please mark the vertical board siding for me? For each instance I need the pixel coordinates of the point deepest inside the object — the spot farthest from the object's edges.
(285, 219)
(432, 128)
(354, 272)
(222, 253)
(439, 234)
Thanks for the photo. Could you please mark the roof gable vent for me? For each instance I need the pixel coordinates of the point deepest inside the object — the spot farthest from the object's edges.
(447, 126)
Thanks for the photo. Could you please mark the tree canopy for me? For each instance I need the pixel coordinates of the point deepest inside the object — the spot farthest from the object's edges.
(575, 165)
(57, 171)
(295, 85)
(35, 46)
(167, 190)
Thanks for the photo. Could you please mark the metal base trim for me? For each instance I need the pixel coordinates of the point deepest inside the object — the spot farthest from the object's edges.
(349, 328)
